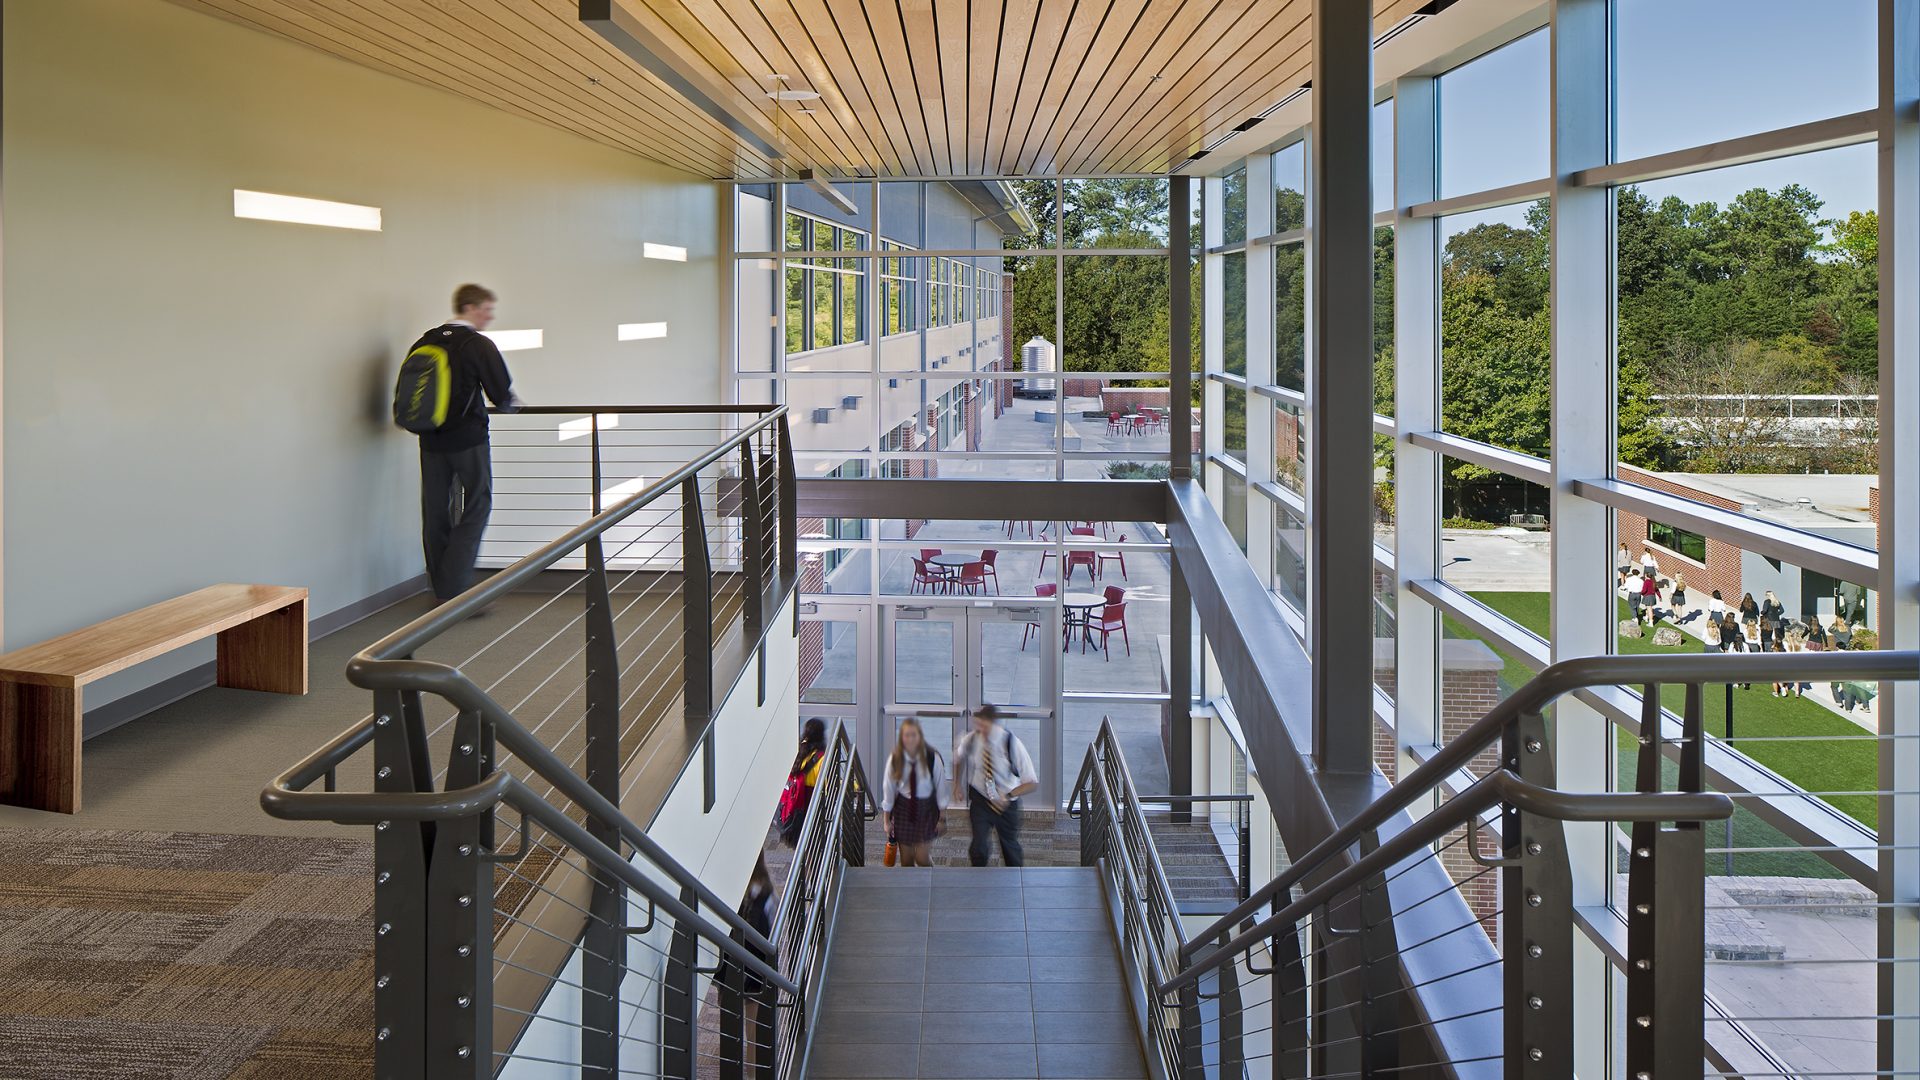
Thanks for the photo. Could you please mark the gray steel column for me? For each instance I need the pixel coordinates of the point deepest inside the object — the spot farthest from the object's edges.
(1180, 686)
(1340, 386)
(1180, 349)
(603, 956)
(1899, 585)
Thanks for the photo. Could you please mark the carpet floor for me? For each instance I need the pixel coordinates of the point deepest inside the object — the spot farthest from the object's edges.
(138, 955)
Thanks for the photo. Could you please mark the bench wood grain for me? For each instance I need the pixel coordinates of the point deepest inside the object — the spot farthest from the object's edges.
(261, 632)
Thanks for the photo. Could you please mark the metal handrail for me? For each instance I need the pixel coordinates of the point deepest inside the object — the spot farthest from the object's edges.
(1542, 690)
(1106, 747)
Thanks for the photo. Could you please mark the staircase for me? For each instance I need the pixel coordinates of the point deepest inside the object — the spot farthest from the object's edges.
(1202, 879)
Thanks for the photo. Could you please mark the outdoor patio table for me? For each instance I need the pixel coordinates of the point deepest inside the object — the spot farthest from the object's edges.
(1077, 609)
(952, 561)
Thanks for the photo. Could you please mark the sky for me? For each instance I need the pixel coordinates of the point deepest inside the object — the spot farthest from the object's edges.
(1689, 72)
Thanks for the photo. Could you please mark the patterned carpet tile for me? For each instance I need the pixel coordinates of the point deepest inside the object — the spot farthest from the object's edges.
(179, 956)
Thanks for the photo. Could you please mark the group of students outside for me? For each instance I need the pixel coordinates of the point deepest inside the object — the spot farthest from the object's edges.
(992, 771)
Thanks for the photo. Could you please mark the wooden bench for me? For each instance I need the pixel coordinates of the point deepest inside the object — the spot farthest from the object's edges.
(262, 633)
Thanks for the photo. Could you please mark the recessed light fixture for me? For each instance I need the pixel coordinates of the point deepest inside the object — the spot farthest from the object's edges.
(640, 331)
(517, 340)
(295, 210)
(663, 251)
(795, 95)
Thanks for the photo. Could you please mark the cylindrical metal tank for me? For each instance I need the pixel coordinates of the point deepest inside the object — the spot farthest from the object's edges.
(1036, 357)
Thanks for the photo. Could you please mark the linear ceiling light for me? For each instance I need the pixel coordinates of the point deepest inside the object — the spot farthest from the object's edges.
(640, 331)
(669, 252)
(830, 193)
(265, 206)
(516, 340)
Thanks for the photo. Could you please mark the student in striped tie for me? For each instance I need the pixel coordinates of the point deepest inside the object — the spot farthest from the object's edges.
(994, 769)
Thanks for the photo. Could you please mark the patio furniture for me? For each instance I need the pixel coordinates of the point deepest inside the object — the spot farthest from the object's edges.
(1142, 423)
(1115, 594)
(1049, 589)
(987, 559)
(1116, 423)
(972, 578)
(1112, 617)
(1077, 610)
(1082, 558)
(1118, 556)
(935, 581)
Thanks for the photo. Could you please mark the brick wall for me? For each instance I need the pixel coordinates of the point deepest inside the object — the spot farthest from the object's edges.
(1082, 387)
(1721, 570)
(1873, 514)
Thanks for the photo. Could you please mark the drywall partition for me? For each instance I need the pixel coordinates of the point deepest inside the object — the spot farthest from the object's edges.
(191, 397)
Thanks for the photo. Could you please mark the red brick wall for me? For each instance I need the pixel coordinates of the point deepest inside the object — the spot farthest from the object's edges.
(1721, 570)
(1082, 387)
(1873, 514)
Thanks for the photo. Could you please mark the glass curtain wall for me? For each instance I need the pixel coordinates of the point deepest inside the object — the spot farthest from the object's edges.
(1736, 471)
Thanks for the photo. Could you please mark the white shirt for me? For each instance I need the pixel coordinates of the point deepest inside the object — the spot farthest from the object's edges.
(1622, 558)
(925, 782)
(1716, 607)
(1646, 561)
(972, 764)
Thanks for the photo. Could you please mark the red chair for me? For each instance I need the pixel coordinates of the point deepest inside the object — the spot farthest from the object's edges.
(1049, 589)
(934, 582)
(986, 559)
(928, 553)
(1114, 617)
(1081, 558)
(973, 577)
(1115, 594)
(1118, 556)
(1116, 423)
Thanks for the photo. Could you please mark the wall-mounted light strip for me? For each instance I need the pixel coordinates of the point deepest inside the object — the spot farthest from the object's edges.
(581, 428)
(516, 340)
(641, 331)
(265, 206)
(663, 251)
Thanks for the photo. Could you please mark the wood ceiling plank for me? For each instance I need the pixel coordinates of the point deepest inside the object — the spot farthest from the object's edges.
(864, 70)
(1158, 22)
(805, 142)
(1139, 90)
(260, 15)
(421, 34)
(768, 38)
(923, 46)
(953, 32)
(1043, 50)
(1251, 75)
(890, 38)
(1202, 61)
(1093, 35)
(1264, 82)
(983, 54)
(836, 74)
(1009, 68)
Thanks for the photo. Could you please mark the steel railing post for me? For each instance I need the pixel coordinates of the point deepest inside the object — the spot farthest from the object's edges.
(459, 957)
(678, 1005)
(603, 957)
(1536, 932)
(789, 489)
(753, 555)
(1290, 1032)
(733, 1017)
(1233, 1053)
(1666, 918)
(696, 589)
(1193, 1035)
(400, 970)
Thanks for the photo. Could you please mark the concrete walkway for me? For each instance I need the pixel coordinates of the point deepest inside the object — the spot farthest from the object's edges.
(1008, 974)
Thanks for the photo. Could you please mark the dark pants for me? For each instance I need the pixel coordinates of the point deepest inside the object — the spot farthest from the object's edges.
(986, 821)
(456, 497)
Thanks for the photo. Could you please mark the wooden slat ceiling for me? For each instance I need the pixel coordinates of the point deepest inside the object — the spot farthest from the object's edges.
(906, 87)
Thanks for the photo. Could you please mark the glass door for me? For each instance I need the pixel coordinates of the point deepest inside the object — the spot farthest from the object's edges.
(837, 668)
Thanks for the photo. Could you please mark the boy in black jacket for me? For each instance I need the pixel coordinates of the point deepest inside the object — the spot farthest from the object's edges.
(456, 461)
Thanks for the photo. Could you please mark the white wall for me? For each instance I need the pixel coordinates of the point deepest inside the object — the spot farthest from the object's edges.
(191, 398)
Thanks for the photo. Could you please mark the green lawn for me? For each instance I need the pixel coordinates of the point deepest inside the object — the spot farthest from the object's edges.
(1841, 756)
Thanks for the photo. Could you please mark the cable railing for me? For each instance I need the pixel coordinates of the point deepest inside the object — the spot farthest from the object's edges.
(558, 931)
(1364, 957)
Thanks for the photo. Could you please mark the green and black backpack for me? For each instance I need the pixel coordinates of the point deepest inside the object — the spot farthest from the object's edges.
(423, 396)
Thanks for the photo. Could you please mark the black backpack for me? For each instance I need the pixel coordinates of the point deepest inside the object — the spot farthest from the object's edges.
(423, 395)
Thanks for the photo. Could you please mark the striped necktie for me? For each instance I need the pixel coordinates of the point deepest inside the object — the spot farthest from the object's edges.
(987, 763)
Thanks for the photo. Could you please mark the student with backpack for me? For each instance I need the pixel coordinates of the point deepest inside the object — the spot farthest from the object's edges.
(439, 398)
(993, 769)
(802, 778)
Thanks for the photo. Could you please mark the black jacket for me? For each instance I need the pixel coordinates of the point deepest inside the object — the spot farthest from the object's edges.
(478, 370)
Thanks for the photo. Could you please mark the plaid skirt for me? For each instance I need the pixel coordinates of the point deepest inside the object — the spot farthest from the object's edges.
(915, 821)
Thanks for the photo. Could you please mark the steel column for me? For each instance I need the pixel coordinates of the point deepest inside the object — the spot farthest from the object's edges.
(1340, 386)
(1180, 690)
(1180, 306)
(679, 1005)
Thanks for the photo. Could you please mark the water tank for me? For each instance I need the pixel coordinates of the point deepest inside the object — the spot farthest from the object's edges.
(1036, 356)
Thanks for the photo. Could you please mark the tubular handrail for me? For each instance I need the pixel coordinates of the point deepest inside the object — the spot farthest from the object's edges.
(1542, 690)
(364, 670)
(1497, 787)
(1106, 747)
(388, 666)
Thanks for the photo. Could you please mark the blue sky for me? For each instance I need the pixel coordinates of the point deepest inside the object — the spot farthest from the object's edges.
(1690, 72)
